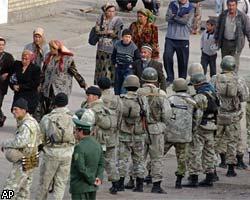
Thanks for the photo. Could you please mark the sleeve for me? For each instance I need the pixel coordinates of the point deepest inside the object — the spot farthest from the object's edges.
(21, 140)
(166, 110)
(34, 82)
(185, 19)
(100, 169)
(201, 101)
(243, 90)
(217, 30)
(137, 55)
(247, 27)
(169, 15)
(44, 124)
(72, 70)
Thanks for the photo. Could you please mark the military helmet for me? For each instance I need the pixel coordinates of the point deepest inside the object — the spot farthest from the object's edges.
(180, 84)
(131, 81)
(228, 63)
(149, 75)
(195, 68)
(84, 118)
(13, 155)
(197, 79)
(79, 113)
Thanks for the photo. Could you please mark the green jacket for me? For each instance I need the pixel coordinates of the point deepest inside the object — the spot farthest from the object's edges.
(87, 164)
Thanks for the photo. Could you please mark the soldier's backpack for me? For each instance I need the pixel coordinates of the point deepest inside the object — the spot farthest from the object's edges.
(60, 128)
(226, 85)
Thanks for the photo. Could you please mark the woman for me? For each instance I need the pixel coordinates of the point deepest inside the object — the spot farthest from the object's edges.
(144, 31)
(108, 27)
(57, 74)
(25, 80)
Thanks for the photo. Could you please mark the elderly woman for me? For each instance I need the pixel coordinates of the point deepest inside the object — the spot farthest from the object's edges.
(108, 27)
(39, 47)
(57, 74)
(145, 31)
(25, 80)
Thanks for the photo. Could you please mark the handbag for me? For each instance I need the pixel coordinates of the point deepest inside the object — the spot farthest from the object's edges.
(93, 36)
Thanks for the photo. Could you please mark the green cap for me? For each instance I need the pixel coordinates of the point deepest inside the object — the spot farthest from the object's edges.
(82, 125)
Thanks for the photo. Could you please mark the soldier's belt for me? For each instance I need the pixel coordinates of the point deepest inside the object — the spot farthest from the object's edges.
(30, 162)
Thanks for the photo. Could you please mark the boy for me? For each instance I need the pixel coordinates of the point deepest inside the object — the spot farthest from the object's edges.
(124, 53)
(209, 48)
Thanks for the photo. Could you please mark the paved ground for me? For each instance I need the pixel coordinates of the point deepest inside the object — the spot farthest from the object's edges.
(72, 27)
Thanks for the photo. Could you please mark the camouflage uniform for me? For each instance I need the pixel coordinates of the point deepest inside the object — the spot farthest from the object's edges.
(248, 114)
(26, 141)
(159, 113)
(57, 153)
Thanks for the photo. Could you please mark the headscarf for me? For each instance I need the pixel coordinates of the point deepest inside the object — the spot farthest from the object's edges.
(62, 51)
(30, 54)
(148, 14)
(106, 6)
(38, 50)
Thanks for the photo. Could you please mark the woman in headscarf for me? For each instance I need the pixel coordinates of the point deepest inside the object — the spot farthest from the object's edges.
(25, 80)
(57, 74)
(108, 27)
(144, 31)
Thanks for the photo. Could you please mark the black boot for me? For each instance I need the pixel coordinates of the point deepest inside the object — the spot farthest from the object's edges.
(114, 188)
(216, 177)
(130, 184)
(139, 185)
(148, 178)
(240, 162)
(192, 182)
(157, 188)
(230, 171)
(178, 182)
(223, 160)
(121, 184)
(208, 181)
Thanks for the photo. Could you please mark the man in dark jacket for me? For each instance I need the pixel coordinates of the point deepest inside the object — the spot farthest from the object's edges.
(87, 165)
(6, 63)
(146, 61)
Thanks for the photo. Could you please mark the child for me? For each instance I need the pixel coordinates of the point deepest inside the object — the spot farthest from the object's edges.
(125, 52)
(209, 48)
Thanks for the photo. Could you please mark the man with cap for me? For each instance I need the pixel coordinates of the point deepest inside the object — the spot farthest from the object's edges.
(22, 151)
(104, 132)
(6, 64)
(57, 146)
(147, 61)
(87, 165)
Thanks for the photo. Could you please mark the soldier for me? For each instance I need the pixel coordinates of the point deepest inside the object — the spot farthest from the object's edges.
(201, 149)
(159, 113)
(22, 151)
(105, 133)
(57, 145)
(87, 165)
(131, 138)
(179, 127)
(231, 90)
(248, 118)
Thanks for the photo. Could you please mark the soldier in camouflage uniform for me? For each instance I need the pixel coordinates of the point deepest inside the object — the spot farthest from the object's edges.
(58, 142)
(231, 90)
(25, 157)
(158, 115)
(201, 150)
(179, 128)
(105, 132)
(131, 138)
(248, 117)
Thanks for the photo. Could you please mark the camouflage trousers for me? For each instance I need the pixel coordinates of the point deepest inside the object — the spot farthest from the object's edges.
(110, 159)
(248, 124)
(135, 150)
(155, 149)
(201, 152)
(53, 169)
(230, 135)
(181, 153)
(19, 181)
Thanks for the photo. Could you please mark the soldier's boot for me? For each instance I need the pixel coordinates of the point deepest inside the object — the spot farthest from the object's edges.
(192, 182)
(223, 160)
(240, 162)
(216, 177)
(114, 188)
(178, 182)
(148, 178)
(130, 184)
(121, 184)
(208, 181)
(2, 120)
(157, 188)
(139, 185)
(230, 171)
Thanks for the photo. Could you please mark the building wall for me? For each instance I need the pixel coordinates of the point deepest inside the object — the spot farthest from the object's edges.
(17, 5)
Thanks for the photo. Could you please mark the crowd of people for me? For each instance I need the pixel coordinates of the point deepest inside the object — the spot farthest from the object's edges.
(128, 122)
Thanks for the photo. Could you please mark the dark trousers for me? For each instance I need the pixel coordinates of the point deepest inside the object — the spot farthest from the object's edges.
(181, 48)
(209, 60)
(152, 6)
(1, 103)
(121, 72)
(84, 196)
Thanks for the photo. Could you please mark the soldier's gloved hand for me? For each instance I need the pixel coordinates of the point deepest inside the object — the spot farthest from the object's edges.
(2, 149)
(83, 84)
(40, 147)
